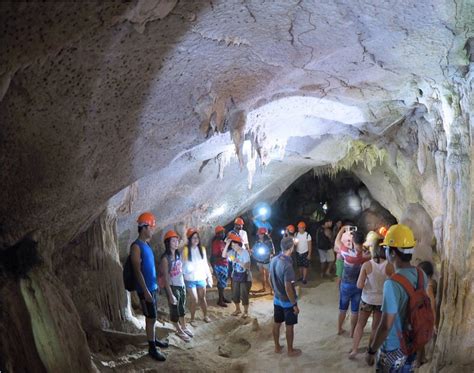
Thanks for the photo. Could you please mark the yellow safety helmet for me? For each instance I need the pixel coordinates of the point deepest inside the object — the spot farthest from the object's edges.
(401, 237)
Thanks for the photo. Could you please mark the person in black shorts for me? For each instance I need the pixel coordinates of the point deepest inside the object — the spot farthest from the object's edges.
(282, 278)
(143, 263)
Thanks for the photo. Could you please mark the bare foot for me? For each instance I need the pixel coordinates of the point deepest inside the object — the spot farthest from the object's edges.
(278, 349)
(341, 332)
(353, 355)
(295, 352)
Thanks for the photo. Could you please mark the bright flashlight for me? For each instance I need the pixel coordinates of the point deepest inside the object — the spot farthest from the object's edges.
(261, 250)
(263, 211)
(283, 232)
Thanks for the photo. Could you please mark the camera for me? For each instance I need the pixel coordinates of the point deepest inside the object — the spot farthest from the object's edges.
(352, 228)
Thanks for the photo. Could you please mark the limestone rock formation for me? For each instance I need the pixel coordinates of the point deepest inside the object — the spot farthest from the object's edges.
(196, 110)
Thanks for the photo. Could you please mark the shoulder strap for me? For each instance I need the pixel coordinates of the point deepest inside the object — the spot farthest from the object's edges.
(402, 280)
(185, 253)
(421, 280)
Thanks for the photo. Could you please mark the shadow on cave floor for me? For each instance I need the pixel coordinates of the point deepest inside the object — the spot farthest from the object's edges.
(227, 343)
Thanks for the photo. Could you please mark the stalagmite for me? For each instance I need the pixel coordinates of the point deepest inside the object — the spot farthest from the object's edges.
(197, 111)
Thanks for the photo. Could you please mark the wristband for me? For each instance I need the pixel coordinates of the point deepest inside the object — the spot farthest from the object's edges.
(370, 351)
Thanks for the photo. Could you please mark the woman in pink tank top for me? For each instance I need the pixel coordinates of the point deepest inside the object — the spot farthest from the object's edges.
(371, 279)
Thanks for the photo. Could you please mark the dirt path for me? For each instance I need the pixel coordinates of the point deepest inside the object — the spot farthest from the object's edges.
(235, 345)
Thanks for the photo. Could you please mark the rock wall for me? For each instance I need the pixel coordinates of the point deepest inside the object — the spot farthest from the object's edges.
(40, 325)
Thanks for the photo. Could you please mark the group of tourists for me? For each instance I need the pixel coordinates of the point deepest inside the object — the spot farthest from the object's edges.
(378, 280)
(375, 278)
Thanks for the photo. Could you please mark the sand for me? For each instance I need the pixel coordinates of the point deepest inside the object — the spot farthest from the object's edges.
(233, 344)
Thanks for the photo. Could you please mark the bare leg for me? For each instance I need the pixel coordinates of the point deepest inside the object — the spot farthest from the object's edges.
(359, 330)
(354, 318)
(323, 269)
(193, 298)
(201, 292)
(264, 280)
(377, 316)
(330, 268)
(340, 322)
(305, 273)
(276, 338)
(302, 272)
(289, 340)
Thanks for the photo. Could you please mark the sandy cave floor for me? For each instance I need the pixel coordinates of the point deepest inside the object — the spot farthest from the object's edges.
(236, 345)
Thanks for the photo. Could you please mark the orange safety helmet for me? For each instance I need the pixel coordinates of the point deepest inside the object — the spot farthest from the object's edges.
(171, 234)
(301, 224)
(239, 221)
(234, 237)
(262, 230)
(147, 218)
(219, 229)
(291, 228)
(190, 232)
(382, 231)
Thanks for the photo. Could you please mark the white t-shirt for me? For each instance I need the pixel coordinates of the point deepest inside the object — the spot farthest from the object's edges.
(303, 239)
(244, 237)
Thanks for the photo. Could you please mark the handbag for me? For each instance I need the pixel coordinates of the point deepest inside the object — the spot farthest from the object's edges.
(240, 276)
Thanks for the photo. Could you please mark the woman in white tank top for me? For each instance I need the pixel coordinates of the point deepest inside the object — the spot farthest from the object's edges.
(371, 279)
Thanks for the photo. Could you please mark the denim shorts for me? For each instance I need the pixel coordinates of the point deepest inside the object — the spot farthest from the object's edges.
(349, 293)
(195, 284)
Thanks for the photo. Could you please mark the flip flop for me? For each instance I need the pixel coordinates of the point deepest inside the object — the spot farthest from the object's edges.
(236, 313)
(207, 319)
(245, 315)
(183, 336)
(188, 332)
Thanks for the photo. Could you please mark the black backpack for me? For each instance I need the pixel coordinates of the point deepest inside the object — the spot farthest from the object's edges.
(128, 275)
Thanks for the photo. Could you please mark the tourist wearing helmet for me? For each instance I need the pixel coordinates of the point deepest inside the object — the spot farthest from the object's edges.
(172, 270)
(197, 274)
(143, 263)
(389, 339)
(304, 250)
(262, 251)
(220, 265)
(241, 274)
(290, 231)
(239, 229)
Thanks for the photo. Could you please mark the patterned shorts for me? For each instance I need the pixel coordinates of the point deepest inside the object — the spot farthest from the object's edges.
(302, 260)
(221, 273)
(394, 362)
(369, 307)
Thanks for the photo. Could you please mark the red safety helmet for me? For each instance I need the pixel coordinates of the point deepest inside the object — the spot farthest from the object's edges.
(147, 218)
(190, 232)
(291, 228)
(234, 237)
(171, 234)
(262, 230)
(239, 221)
(219, 229)
(301, 224)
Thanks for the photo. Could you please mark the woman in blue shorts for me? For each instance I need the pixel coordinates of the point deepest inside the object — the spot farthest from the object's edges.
(197, 274)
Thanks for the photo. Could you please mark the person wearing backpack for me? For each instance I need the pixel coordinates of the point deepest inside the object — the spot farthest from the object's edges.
(197, 274)
(143, 264)
(407, 319)
(171, 276)
(304, 250)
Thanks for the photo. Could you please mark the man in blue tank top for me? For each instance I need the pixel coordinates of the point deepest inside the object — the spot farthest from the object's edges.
(143, 262)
